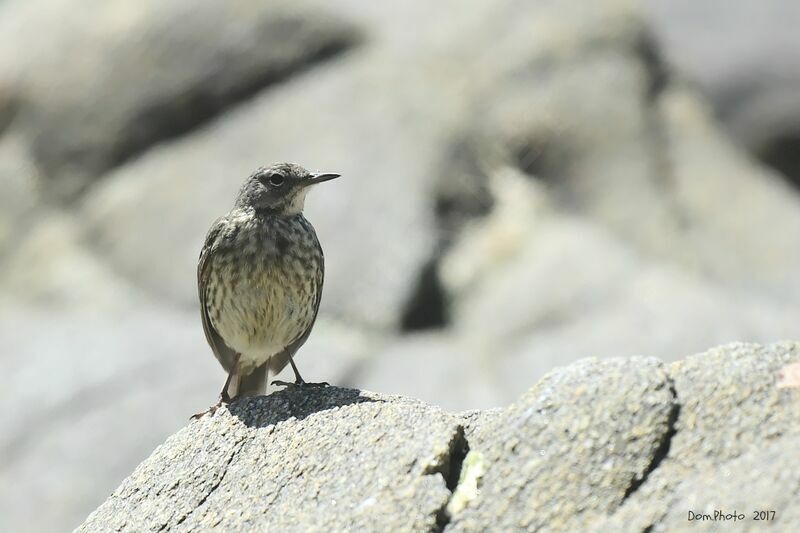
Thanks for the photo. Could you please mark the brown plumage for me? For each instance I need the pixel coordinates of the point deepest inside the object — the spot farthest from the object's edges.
(260, 277)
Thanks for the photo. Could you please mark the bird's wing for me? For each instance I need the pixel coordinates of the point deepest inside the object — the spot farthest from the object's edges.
(280, 360)
(223, 353)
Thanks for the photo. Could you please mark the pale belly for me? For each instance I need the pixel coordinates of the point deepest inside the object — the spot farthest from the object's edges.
(261, 313)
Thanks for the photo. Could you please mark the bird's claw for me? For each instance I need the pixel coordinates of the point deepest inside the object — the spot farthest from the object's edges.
(224, 399)
(300, 384)
(210, 411)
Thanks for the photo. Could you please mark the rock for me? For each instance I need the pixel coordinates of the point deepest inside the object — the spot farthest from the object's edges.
(68, 439)
(71, 445)
(765, 472)
(531, 178)
(730, 407)
(656, 310)
(608, 445)
(334, 459)
(564, 234)
(87, 353)
(572, 448)
(142, 73)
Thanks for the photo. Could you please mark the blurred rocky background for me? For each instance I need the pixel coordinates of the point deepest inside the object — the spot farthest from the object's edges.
(524, 184)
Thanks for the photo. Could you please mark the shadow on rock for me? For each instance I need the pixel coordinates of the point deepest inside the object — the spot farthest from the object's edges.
(297, 403)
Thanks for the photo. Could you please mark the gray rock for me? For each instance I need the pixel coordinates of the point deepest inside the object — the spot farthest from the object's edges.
(572, 448)
(324, 459)
(633, 226)
(147, 368)
(614, 445)
(140, 73)
(729, 408)
(539, 117)
(635, 220)
(752, 487)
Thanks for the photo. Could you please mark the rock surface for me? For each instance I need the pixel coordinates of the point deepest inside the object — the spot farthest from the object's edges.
(730, 407)
(619, 444)
(327, 459)
(572, 447)
(529, 183)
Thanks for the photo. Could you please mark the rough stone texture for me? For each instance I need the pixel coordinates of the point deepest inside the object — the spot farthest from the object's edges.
(572, 448)
(139, 73)
(535, 171)
(326, 459)
(605, 445)
(729, 406)
(760, 481)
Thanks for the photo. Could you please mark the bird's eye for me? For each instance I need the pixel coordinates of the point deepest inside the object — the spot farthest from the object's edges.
(276, 180)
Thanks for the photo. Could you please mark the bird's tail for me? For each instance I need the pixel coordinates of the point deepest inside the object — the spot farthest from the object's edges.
(254, 383)
(278, 362)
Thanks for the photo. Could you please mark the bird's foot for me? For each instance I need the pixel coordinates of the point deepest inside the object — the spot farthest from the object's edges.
(300, 384)
(210, 411)
(224, 399)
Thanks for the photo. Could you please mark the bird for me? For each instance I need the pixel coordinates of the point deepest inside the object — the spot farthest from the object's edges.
(259, 280)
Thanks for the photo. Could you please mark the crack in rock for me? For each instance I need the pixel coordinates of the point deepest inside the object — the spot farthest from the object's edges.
(211, 490)
(449, 465)
(472, 470)
(662, 451)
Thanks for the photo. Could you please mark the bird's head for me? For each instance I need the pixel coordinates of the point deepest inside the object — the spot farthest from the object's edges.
(279, 189)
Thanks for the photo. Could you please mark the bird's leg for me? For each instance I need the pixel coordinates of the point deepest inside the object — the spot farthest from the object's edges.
(224, 396)
(298, 379)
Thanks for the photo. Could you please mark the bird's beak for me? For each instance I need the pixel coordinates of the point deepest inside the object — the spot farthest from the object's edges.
(319, 178)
